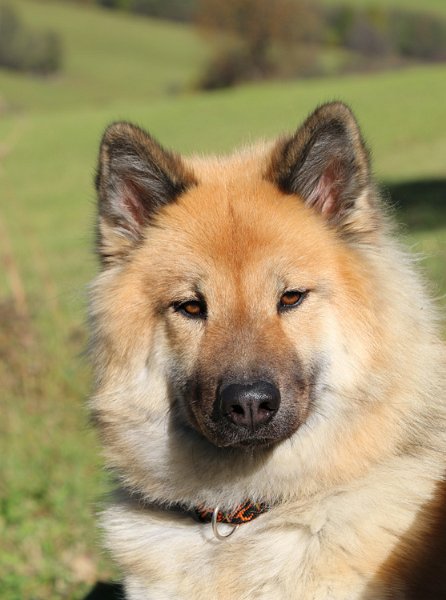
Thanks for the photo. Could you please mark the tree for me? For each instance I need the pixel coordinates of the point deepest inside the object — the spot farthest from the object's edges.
(254, 33)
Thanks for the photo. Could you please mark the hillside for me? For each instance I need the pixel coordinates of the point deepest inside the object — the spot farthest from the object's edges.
(108, 57)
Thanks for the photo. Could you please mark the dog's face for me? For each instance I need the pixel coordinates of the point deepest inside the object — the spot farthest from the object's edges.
(241, 305)
(244, 288)
(233, 296)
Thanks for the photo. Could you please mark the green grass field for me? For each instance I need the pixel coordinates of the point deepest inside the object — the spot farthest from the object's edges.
(118, 67)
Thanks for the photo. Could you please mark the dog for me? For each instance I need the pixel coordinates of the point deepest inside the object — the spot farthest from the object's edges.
(269, 374)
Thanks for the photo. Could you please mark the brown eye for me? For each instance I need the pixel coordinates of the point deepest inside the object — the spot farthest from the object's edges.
(291, 299)
(195, 309)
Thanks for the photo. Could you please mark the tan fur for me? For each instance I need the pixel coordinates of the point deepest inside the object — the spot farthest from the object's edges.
(355, 489)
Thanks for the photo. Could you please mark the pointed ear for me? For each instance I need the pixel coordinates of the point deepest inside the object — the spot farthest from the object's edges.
(327, 164)
(135, 178)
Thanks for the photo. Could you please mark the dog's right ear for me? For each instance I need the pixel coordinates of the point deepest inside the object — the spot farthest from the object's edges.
(135, 178)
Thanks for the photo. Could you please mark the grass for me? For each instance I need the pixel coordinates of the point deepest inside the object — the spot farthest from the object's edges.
(51, 478)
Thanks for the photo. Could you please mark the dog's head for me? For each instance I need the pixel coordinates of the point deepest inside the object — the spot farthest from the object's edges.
(238, 297)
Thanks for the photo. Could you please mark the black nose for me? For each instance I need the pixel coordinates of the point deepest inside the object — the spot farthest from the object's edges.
(249, 404)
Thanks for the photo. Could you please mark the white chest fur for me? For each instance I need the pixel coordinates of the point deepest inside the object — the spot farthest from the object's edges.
(328, 548)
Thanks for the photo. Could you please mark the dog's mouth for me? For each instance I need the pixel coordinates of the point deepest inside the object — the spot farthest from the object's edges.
(222, 433)
(236, 441)
(226, 437)
(252, 443)
(240, 442)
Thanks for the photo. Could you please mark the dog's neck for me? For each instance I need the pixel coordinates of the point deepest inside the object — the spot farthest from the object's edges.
(243, 513)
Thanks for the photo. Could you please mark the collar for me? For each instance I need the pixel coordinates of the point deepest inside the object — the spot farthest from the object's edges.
(244, 513)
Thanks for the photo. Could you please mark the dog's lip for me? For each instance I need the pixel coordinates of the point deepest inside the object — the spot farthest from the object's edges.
(245, 440)
(236, 442)
(248, 443)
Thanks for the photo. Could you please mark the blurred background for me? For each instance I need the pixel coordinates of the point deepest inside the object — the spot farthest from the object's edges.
(201, 75)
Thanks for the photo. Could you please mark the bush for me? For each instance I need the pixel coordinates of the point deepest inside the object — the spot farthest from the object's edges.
(380, 32)
(419, 36)
(229, 67)
(25, 50)
(367, 37)
(174, 10)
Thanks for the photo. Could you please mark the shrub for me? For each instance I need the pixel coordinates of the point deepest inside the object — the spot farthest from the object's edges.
(25, 50)
(228, 67)
(368, 37)
(175, 10)
(380, 32)
(421, 36)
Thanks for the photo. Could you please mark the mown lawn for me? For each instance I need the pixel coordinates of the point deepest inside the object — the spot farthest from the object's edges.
(50, 480)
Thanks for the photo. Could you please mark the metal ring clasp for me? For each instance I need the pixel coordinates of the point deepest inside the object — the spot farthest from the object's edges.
(214, 524)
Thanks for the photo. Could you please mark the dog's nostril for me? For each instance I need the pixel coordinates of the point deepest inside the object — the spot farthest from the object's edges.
(249, 404)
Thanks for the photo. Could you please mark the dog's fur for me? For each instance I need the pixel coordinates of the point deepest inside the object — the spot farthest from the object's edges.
(352, 462)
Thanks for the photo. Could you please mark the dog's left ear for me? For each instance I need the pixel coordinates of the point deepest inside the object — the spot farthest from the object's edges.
(327, 164)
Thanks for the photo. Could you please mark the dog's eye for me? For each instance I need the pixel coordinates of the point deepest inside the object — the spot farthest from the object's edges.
(291, 299)
(196, 309)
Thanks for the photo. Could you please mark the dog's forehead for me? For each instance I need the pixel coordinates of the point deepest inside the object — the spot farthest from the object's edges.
(240, 221)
